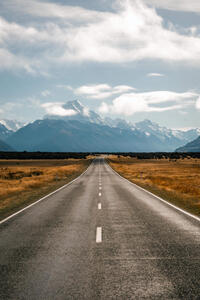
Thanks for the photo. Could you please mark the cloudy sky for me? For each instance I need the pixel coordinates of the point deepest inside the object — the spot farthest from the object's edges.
(131, 59)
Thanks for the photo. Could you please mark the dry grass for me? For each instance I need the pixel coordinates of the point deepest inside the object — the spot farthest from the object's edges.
(22, 182)
(176, 181)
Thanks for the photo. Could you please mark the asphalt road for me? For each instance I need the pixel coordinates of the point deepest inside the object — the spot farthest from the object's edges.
(100, 237)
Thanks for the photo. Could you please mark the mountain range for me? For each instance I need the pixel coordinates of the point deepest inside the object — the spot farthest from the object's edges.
(86, 131)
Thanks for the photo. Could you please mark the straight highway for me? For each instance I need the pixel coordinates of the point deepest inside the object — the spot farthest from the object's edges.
(100, 237)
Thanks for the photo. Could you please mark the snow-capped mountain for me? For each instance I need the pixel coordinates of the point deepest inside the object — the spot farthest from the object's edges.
(4, 132)
(13, 125)
(84, 130)
(81, 113)
(161, 137)
(170, 137)
(75, 136)
(188, 135)
(167, 135)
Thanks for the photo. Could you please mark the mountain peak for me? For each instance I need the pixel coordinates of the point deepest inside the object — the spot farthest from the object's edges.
(81, 113)
(146, 124)
(76, 105)
(147, 121)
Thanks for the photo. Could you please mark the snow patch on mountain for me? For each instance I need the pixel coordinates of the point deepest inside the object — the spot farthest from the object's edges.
(12, 125)
(4, 132)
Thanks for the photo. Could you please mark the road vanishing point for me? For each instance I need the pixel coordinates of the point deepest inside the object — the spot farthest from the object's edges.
(100, 237)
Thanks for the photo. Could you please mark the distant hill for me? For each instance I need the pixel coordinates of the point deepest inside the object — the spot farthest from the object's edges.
(193, 146)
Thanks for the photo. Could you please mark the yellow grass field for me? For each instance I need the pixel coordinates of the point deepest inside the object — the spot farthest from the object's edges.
(24, 181)
(177, 181)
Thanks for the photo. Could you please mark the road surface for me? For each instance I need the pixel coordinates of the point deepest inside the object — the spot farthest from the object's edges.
(100, 237)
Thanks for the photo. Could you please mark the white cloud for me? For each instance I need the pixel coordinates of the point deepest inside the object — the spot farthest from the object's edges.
(10, 61)
(86, 111)
(158, 101)
(51, 10)
(62, 86)
(123, 89)
(132, 32)
(45, 93)
(198, 103)
(178, 5)
(101, 91)
(155, 75)
(193, 30)
(104, 108)
(92, 89)
(58, 109)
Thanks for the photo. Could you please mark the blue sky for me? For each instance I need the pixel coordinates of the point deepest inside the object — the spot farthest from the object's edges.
(132, 59)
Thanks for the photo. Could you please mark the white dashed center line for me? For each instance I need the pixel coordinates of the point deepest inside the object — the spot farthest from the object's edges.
(99, 194)
(99, 235)
(100, 187)
(99, 205)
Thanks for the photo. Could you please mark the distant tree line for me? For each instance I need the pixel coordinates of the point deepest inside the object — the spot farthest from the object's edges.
(83, 155)
(42, 155)
(160, 155)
